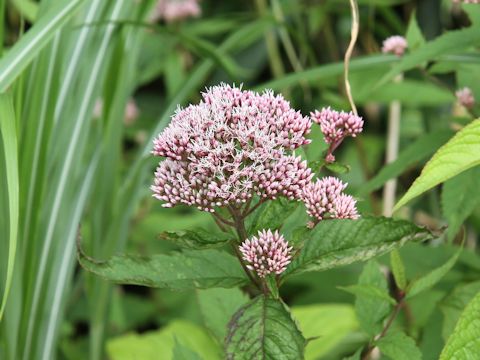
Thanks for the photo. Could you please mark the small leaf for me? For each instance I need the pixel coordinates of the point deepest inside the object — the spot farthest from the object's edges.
(460, 196)
(464, 343)
(338, 168)
(396, 345)
(181, 352)
(325, 326)
(372, 310)
(197, 239)
(369, 291)
(271, 282)
(453, 305)
(271, 215)
(179, 271)
(335, 243)
(264, 329)
(433, 277)
(218, 306)
(398, 269)
(461, 153)
(414, 34)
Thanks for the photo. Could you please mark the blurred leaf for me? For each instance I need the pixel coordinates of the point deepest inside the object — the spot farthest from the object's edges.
(398, 269)
(414, 34)
(9, 140)
(473, 12)
(396, 345)
(453, 305)
(460, 196)
(174, 72)
(460, 153)
(24, 51)
(419, 150)
(180, 271)
(433, 277)
(271, 215)
(337, 168)
(160, 344)
(448, 43)
(335, 243)
(325, 325)
(197, 239)
(372, 310)
(181, 352)
(264, 329)
(28, 9)
(369, 290)
(218, 306)
(464, 343)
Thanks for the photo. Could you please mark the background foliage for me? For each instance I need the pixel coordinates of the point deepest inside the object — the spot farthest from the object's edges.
(65, 170)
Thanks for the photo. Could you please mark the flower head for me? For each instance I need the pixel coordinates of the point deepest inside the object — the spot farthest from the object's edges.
(395, 45)
(335, 126)
(266, 253)
(232, 145)
(465, 97)
(325, 199)
(175, 10)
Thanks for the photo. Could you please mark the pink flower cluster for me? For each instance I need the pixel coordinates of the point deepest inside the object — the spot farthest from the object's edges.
(335, 126)
(395, 45)
(266, 253)
(175, 10)
(465, 97)
(467, 1)
(232, 145)
(325, 199)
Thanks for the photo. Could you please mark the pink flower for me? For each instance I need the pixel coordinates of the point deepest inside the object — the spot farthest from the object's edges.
(267, 253)
(324, 199)
(465, 97)
(175, 10)
(395, 45)
(336, 126)
(232, 145)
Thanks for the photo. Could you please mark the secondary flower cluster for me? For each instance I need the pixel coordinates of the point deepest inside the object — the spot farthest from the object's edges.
(266, 253)
(336, 126)
(465, 97)
(395, 44)
(232, 145)
(175, 10)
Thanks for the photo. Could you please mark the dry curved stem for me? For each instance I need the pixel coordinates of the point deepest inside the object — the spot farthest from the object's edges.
(349, 52)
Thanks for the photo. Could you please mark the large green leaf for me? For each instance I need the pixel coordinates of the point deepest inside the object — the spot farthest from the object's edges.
(372, 310)
(197, 239)
(264, 329)
(459, 154)
(464, 343)
(217, 307)
(335, 243)
(459, 198)
(165, 343)
(10, 150)
(396, 345)
(180, 271)
(23, 52)
(325, 325)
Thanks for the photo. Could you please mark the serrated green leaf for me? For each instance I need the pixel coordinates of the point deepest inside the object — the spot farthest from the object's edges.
(186, 270)
(198, 239)
(325, 325)
(461, 153)
(448, 43)
(460, 196)
(464, 343)
(264, 329)
(369, 290)
(160, 344)
(398, 269)
(433, 277)
(218, 306)
(372, 310)
(271, 215)
(335, 243)
(453, 305)
(417, 151)
(396, 345)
